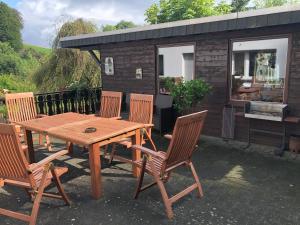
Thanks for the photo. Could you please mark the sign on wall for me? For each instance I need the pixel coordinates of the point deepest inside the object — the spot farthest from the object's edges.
(109, 66)
(139, 73)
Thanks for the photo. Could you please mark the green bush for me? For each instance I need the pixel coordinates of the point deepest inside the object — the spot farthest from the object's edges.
(15, 84)
(10, 61)
(3, 112)
(188, 94)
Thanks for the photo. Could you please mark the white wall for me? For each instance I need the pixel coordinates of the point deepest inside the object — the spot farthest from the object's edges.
(173, 59)
(280, 44)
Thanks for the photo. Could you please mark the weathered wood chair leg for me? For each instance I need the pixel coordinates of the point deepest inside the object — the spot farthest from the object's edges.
(112, 154)
(60, 187)
(105, 150)
(38, 198)
(200, 191)
(41, 139)
(140, 179)
(48, 143)
(29, 194)
(163, 191)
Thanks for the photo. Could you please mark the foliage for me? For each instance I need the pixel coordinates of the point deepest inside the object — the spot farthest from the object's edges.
(66, 66)
(173, 10)
(22, 63)
(270, 3)
(239, 5)
(121, 25)
(3, 111)
(15, 84)
(223, 8)
(10, 61)
(188, 94)
(11, 24)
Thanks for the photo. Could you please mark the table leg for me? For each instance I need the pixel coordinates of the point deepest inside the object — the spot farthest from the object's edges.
(136, 154)
(95, 167)
(29, 143)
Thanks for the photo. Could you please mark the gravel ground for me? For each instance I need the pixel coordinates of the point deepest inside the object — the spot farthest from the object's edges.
(240, 187)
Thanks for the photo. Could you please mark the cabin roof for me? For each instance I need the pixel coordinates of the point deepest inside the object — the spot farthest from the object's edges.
(274, 16)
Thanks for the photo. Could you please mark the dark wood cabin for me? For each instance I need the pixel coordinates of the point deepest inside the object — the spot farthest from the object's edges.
(263, 45)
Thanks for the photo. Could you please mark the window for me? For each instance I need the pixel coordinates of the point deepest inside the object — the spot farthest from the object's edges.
(161, 65)
(175, 63)
(258, 70)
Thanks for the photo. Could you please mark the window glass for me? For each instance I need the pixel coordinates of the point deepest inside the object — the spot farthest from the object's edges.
(259, 70)
(175, 64)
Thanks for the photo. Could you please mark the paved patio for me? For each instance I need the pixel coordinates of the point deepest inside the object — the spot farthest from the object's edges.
(240, 187)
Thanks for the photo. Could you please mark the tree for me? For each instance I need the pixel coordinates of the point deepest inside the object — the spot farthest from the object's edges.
(10, 61)
(123, 24)
(173, 10)
(11, 24)
(66, 67)
(108, 27)
(223, 8)
(270, 3)
(239, 5)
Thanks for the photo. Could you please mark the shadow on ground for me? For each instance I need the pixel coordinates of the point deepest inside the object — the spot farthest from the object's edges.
(239, 188)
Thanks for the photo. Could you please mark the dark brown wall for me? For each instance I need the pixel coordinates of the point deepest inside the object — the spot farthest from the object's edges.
(126, 59)
(211, 64)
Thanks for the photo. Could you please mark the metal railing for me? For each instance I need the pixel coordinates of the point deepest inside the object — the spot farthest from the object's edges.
(86, 101)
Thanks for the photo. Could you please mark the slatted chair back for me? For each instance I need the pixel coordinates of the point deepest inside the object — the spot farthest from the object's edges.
(20, 107)
(141, 108)
(13, 163)
(185, 136)
(110, 104)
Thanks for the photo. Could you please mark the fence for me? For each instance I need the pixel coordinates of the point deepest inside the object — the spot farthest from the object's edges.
(85, 101)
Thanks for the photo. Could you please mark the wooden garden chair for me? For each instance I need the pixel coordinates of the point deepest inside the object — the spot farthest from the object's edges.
(159, 164)
(110, 104)
(110, 107)
(21, 107)
(33, 178)
(141, 111)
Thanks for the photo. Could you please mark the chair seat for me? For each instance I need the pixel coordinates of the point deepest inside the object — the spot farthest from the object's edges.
(158, 162)
(38, 174)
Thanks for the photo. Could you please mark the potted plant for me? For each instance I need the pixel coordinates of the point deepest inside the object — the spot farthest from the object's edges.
(188, 94)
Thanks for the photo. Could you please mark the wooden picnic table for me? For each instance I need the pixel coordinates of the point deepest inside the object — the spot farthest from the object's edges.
(70, 127)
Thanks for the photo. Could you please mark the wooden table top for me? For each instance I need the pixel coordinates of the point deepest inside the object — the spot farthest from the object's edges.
(106, 129)
(45, 123)
(71, 127)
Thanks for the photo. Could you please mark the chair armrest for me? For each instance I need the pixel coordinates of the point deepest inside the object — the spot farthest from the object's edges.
(24, 147)
(41, 115)
(48, 159)
(18, 128)
(148, 125)
(1, 182)
(147, 151)
(168, 136)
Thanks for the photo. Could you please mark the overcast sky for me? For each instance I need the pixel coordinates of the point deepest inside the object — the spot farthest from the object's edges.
(43, 17)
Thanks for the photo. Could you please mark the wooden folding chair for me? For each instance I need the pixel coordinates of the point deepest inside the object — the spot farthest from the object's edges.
(159, 164)
(110, 104)
(141, 111)
(110, 107)
(21, 107)
(33, 178)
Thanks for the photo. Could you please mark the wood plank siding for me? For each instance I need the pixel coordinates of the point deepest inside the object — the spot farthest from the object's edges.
(211, 64)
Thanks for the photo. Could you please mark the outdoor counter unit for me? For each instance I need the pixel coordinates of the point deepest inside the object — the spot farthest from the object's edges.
(248, 56)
